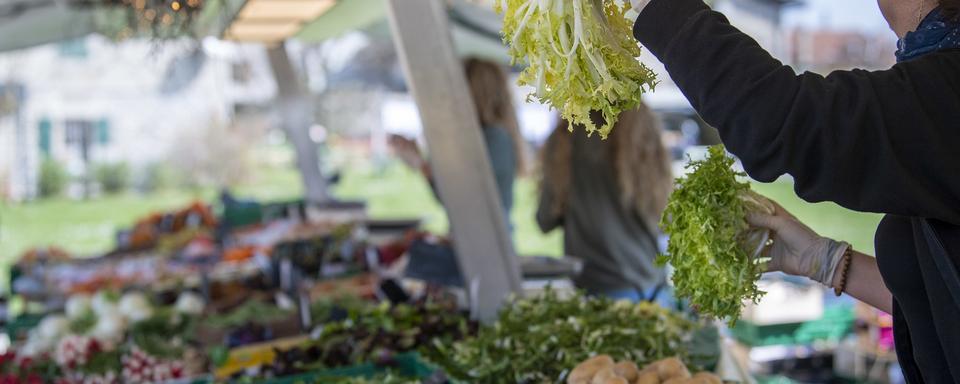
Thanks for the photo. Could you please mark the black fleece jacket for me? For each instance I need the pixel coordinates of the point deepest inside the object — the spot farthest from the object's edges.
(884, 141)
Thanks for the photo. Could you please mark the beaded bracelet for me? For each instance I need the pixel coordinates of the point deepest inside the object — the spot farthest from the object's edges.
(844, 270)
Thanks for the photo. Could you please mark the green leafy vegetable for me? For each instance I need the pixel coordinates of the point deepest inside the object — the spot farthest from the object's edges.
(102, 363)
(373, 332)
(581, 56)
(83, 323)
(388, 378)
(252, 311)
(711, 246)
(538, 340)
(164, 334)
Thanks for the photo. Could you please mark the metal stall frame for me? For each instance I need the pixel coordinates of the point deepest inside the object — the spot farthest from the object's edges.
(465, 183)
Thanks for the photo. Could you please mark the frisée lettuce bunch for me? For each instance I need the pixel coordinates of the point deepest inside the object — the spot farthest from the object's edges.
(714, 252)
(580, 54)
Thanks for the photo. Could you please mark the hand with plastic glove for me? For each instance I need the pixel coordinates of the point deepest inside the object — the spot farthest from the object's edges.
(797, 249)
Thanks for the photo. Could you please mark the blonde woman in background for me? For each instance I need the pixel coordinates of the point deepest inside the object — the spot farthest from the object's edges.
(608, 196)
(498, 120)
(493, 103)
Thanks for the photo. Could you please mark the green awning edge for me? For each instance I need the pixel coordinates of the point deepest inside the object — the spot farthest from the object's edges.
(345, 16)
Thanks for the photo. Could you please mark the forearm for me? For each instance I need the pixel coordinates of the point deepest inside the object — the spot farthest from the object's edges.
(864, 283)
(427, 171)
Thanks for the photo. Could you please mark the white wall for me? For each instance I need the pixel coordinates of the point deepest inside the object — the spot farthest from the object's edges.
(120, 82)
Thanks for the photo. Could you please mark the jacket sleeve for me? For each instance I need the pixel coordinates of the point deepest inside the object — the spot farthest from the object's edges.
(865, 140)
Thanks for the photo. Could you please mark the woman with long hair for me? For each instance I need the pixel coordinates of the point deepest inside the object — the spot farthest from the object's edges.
(498, 119)
(434, 261)
(608, 196)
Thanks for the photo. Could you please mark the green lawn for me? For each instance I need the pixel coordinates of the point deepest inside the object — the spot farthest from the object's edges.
(399, 192)
(88, 227)
(827, 219)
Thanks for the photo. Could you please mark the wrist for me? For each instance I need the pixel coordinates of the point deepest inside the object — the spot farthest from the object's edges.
(832, 270)
(840, 275)
(826, 255)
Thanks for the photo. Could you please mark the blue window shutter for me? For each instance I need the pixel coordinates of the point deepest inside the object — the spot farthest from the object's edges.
(44, 139)
(103, 132)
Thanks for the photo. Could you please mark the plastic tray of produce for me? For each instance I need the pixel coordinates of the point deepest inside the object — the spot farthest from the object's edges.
(407, 365)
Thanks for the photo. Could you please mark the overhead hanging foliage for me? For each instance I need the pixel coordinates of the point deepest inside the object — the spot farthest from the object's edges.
(158, 19)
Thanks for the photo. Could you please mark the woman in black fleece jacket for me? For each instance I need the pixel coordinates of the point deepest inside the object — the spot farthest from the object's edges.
(885, 141)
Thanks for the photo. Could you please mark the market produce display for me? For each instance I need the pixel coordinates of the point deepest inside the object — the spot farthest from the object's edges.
(251, 311)
(602, 369)
(132, 315)
(109, 338)
(380, 379)
(299, 302)
(538, 340)
(712, 249)
(373, 333)
(581, 56)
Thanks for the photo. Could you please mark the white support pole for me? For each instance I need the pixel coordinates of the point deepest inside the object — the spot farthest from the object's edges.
(458, 157)
(296, 113)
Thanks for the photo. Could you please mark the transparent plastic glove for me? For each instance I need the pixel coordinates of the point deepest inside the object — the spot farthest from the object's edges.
(797, 249)
(755, 239)
(638, 5)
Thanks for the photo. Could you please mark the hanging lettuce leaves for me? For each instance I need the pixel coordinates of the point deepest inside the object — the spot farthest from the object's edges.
(580, 54)
(713, 250)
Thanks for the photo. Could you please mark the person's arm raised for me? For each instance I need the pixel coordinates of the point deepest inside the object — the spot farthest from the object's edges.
(881, 141)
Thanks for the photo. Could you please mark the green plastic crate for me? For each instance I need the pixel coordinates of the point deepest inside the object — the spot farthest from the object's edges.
(754, 335)
(835, 323)
(21, 325)
(240, 215)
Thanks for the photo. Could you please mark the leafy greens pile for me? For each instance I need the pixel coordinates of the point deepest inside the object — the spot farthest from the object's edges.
(251, 311)
(538, 340)
(372, 334)
(712, 248)
(581, 56)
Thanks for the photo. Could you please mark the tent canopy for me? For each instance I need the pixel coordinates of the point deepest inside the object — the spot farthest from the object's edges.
(475, 27)
(26, 23)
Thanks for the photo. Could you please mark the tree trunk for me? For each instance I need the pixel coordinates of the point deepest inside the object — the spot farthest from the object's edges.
(296, 114)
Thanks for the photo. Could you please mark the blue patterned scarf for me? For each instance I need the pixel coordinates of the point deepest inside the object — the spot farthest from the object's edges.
(933, 34)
